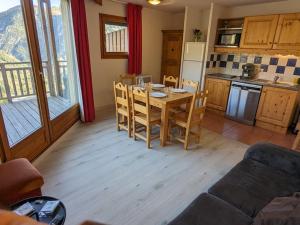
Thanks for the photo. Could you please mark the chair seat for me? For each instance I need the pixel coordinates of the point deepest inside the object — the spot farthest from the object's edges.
(123, 111)
(154, 118)
(177, 110)
(181, 119)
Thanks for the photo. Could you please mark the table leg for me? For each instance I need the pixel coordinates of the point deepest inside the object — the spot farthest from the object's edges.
(164, 124)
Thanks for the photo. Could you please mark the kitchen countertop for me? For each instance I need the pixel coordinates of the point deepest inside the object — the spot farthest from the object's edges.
(252, 81)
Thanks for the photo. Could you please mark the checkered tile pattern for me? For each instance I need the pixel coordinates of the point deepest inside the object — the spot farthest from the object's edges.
(268, 64)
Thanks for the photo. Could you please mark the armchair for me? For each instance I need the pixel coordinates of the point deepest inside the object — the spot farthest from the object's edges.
(19, 179)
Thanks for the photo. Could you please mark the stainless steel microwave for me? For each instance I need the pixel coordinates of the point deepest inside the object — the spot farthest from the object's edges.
(230, 39)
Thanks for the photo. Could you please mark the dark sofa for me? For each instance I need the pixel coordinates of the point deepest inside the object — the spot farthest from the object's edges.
(267, 171)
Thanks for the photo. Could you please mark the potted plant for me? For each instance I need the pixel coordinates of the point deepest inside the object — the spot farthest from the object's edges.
(197, 35)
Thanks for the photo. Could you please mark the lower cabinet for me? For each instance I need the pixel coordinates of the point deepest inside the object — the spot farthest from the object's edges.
(276, 109)
(218, 91)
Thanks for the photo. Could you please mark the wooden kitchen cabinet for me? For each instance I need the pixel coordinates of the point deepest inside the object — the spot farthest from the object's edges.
(259, 32)
(218, 91)
(276, 109)
(288, 32)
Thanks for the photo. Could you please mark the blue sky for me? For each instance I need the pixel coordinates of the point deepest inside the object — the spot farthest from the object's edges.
(7, 4)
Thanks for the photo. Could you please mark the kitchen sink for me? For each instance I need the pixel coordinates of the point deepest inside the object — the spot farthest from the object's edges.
(228, 76)
(279, 83)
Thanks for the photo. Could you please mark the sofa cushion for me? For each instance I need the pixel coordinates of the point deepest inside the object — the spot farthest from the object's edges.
(251, 185)
(275, 156)
(210, 210)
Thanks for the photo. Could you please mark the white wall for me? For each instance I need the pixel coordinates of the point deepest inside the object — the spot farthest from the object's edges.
(105, 71)
(154, 22)
(217, 13)
(195, 19)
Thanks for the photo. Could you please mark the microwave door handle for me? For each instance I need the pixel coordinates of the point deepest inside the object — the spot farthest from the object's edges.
(254, 91)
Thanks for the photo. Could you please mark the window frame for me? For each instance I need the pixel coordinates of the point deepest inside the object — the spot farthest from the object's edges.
(105, 19)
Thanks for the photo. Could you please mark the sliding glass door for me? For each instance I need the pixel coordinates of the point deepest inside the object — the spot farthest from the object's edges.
(38, 97)
(55, 38)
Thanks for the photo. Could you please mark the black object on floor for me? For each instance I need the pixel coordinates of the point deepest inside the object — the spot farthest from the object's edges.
(38, 202)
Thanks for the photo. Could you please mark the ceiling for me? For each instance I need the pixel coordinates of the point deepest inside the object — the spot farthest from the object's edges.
(178, 5)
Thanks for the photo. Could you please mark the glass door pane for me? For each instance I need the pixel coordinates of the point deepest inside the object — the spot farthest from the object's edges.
(18, 95)
(56, 45)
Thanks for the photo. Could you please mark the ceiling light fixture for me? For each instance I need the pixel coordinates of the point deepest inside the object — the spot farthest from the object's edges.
(154, 2)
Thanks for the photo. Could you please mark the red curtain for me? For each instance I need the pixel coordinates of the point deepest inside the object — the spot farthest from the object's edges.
(134, 21)
(83, 58)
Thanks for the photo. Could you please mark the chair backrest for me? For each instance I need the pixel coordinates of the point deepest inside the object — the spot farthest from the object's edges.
(128, 79)
(171, 80)
(145, 78)
(198, 107)
(189, 85)
(140, 102)
(121, 95)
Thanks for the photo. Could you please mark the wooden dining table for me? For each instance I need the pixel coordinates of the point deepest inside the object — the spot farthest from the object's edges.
(172, 100)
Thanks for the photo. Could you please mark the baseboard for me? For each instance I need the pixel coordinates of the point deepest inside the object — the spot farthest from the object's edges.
(107, 110)
(271, 127)
(42, 156)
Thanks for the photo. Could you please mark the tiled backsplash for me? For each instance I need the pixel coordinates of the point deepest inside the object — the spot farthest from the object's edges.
(287, 67)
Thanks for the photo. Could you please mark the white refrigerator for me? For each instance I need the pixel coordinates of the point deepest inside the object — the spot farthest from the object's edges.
(193, 61)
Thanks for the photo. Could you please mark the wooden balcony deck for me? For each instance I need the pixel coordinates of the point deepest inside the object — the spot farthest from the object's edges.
(22, 117)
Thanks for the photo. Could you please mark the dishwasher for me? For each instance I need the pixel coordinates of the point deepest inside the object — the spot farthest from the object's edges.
(243, 102)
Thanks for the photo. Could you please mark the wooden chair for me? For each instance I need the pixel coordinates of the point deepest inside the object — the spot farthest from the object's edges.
(171, 80)
(189, 85)
(128, 79)
(190, 119)
(122, 102)
(142, 115)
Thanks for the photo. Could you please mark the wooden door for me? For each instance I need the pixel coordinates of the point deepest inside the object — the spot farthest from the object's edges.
(259, 32)
(171, 53)
(276, 106)
(60, 81)
(218, 91)
(24, 116)
(33, 112)
(288, 32)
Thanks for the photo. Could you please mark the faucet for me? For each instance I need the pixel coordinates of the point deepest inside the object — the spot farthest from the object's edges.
(276, 78)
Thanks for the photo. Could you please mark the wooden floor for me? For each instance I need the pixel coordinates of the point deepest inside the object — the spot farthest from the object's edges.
(22, 117)
(102, 175)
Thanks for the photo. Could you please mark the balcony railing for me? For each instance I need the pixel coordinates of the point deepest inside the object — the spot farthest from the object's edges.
(117, 41)
(17, 81)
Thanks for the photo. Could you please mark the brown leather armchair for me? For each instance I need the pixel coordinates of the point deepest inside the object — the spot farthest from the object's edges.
(9, 218)
(19, 179)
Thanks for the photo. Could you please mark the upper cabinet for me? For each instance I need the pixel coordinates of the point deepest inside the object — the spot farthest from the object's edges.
(259, 32)
(271, 34)
(288, 32)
